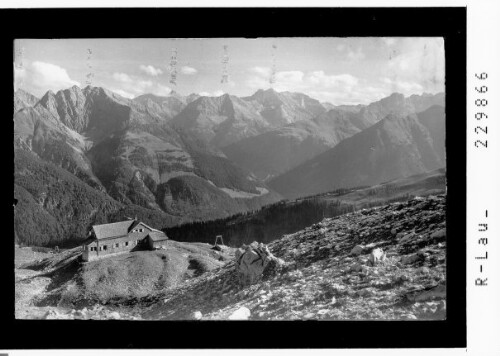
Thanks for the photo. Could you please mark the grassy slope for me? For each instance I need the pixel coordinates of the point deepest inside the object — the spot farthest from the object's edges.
(122, 277)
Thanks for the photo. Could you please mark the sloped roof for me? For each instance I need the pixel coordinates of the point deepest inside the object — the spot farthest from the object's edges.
(150, 228)
(116, 229)
(157, 236)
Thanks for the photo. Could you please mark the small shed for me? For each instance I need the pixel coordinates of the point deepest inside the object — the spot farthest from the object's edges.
(156, 239)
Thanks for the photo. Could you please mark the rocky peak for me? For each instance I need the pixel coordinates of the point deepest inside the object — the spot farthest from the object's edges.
(192, 97)
(395, 99)
(49, 102)
(269, 97)
(72, 96)
(23, 99)
(227, 107)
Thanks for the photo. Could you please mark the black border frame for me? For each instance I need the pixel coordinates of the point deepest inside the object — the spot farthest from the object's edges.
(449, 23)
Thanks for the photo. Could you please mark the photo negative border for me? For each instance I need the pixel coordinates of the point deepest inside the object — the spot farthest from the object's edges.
(449, 23)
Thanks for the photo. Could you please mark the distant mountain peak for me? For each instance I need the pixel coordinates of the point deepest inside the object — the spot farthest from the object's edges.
(23, 99)
(267, 92)
(23, 92)
(394, 97)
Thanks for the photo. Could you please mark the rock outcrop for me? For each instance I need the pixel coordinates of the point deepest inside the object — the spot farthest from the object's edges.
(254, 261)
(377, 256)
(242, 313)
(197, 315)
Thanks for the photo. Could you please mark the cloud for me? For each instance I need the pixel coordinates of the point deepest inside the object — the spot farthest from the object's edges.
(150, 70)
(131, 86)
(285, 80)
(122, 77)
(405, 65)
(320, 78)
(402, 86)
(188, 70)
(261, 71)
(337, 89)
(420, 61)
(123, 93)
(215, 93)
(299, 81)
(39, 77)
(293, 76)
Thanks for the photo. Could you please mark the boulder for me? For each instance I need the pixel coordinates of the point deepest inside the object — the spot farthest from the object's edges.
(438, 234)
(409, 316)
(49, 314)
(363, 292)
(425, 270)
(79, 315)
(242, 313)
(404, 278)
(407, 237)
(409, 259)
(437, 292)
(256, 261)
(114, 315)
(197, 315)
(377, 256)
(365, 269)
(357, 267)
(55, 314)
(441, 305)
(357, 250)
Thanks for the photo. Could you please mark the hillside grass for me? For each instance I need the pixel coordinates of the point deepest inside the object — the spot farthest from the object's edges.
(131, 275)
(127, 276)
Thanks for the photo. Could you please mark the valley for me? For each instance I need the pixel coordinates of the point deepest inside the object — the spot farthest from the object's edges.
(290, 216)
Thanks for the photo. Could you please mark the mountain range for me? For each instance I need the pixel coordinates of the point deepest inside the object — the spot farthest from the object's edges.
(117, 147)
(181, 158)
(396, 146)
(283, 148)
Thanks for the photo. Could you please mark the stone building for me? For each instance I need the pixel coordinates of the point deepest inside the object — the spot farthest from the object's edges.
(121, 237)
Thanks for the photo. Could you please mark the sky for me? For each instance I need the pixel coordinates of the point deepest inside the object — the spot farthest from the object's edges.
(336, 70)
